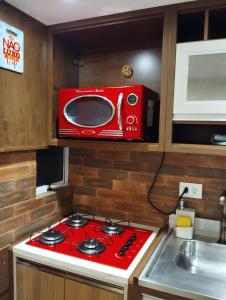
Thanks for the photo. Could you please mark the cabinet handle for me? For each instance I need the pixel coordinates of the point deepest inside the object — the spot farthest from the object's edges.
(95, 284)
(120, 97)
(41, 268)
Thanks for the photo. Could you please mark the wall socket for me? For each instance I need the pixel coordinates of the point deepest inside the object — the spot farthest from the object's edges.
(194, 190)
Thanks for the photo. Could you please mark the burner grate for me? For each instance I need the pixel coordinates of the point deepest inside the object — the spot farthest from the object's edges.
(91, 247)
(113, 227)
(77, 221)
(52, 237)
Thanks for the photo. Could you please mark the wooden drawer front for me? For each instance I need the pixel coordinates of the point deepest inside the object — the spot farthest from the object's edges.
(83, 291)
(38, 285)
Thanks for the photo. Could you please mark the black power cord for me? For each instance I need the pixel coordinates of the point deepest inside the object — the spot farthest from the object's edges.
(152, 186)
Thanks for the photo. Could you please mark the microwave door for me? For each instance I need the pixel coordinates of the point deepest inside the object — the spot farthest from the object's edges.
(89, 111)
(119, 105)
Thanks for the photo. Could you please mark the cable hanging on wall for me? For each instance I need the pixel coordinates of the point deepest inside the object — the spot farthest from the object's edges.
(152, 186)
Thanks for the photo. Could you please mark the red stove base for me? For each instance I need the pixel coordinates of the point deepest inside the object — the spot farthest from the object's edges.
(113, 243)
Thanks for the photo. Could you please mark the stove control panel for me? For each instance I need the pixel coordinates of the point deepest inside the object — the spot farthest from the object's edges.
(127, 244)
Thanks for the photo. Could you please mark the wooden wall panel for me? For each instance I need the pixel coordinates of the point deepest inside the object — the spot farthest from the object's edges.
(4, 271)
(116, 183)
(64, 75)
(103, 68)
(23, 96)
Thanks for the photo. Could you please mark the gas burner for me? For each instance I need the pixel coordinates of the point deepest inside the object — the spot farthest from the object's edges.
(91, 247)
(52, 237)
(113, 228)
(76, 221)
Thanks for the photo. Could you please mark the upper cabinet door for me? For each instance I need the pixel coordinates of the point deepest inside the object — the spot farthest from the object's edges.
(23, 97)
(200, 81)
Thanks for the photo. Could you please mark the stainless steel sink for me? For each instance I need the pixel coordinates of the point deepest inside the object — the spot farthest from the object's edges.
(188, 268)
(203, 259)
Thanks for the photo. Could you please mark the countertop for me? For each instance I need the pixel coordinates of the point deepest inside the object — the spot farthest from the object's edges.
(162, 273)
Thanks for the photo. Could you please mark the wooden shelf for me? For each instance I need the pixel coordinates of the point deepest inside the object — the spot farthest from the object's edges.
(197, 149)
(106, 145)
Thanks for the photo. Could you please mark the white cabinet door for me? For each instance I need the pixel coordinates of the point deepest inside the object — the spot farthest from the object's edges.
(200, 76)
(148, 297)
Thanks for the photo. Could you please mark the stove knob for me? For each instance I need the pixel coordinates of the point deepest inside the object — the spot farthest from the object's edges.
(121, 252)
(133, 237)
(129, 242)
(125, 247)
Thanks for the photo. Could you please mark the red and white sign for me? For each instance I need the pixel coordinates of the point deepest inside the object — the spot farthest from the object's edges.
(11, 48)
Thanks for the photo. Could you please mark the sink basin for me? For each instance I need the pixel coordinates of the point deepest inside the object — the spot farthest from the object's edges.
(204, 259)
(192, 269)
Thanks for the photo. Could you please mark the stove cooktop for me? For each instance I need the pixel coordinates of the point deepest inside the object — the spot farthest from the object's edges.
(91, 242)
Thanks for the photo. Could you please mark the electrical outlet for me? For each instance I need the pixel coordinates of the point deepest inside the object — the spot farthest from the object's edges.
(194, 190)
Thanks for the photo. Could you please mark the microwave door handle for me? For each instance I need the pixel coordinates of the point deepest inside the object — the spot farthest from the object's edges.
(120, 97)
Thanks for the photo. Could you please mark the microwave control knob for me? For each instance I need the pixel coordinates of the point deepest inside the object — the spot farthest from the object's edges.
(131, 120)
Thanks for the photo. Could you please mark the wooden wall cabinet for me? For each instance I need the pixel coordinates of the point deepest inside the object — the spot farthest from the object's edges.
(191, 125)
(200, 76)
(23, 97)
(91, 53)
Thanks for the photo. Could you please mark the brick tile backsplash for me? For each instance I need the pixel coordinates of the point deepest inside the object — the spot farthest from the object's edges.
(98, 163)
(13, 198)
(13, 223)
(129, 175)
(6, 239)
(113, 155)
(135, 166)
(82, 170)
(6, 187)
(112, 174)
(97, 182)
(21, 212)
(149, 157)
(11, 158)
(107, 183)
(6, 213)
(83, 153)
(85, 191)
(17, 171)
(44, 210)
(24, 183)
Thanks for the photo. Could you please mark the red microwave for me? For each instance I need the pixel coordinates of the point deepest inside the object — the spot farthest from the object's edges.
(126, 112)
